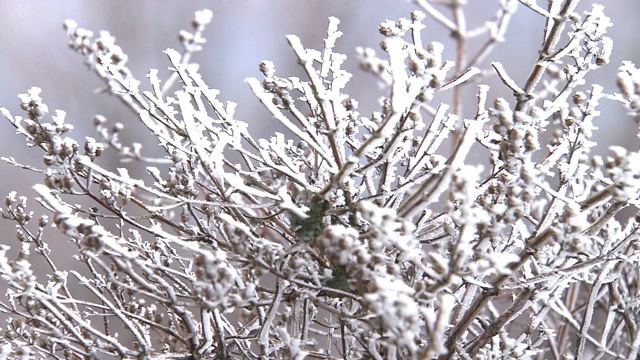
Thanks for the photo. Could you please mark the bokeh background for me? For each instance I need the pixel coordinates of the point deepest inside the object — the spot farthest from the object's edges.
(34, 52)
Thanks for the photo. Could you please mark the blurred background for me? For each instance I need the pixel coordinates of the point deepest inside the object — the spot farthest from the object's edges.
(34, 52)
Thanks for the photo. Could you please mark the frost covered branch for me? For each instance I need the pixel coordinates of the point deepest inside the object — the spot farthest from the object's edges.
(354, 236)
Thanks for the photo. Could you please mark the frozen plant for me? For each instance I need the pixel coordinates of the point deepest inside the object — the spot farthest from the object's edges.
(353, 237)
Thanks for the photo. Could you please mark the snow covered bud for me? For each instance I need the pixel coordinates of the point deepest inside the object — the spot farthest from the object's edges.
(267, 68)
(202, 18)
(92, 148)
(32, 103)
(215, 277)
(628, 82)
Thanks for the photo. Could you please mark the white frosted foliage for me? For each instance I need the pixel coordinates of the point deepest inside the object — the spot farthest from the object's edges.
(460, 211)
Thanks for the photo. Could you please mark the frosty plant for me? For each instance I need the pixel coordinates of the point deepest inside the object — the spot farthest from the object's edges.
(351, 236)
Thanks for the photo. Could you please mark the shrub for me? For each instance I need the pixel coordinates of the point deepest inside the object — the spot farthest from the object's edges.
(349, 236)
